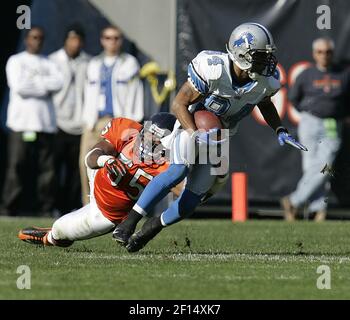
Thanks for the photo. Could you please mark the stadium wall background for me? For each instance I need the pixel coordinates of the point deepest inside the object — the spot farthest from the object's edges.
(172, 32)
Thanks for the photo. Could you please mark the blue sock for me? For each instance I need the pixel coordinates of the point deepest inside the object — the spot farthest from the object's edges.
(182, 207)
(160, 186)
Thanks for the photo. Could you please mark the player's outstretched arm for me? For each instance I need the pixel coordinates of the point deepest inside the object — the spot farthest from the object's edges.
(269, 112)
(186, 96)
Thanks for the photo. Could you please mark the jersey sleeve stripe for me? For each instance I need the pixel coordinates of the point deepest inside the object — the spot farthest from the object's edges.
(197, 80)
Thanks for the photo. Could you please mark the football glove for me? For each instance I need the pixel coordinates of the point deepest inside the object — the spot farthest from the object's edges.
(115, 167)
(285, 138)
(207, 137)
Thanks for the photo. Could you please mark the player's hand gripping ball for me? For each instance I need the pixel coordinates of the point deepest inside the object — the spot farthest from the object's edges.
(209, 126)
(207, 120)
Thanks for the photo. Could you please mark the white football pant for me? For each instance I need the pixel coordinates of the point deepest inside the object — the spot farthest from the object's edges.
(85, 223)
(201, 178)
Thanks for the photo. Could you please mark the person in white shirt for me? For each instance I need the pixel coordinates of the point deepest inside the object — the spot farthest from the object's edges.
(72, 62)
(32, 78)
(113, 89)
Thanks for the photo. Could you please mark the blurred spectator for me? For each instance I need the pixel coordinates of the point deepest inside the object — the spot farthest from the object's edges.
(321, 93)
(113, 89)
(29, 177)
(72, 62)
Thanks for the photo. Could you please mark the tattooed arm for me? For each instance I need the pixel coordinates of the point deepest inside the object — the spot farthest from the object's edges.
(184, 98)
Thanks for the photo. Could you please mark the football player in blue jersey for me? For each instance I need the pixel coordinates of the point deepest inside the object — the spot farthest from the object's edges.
(230, 85)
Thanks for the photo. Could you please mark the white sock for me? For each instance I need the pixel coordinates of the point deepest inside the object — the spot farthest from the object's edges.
(139, 210)
(162, 221)
(49, 238)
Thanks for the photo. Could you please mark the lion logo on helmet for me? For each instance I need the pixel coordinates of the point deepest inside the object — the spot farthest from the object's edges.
(246, 38)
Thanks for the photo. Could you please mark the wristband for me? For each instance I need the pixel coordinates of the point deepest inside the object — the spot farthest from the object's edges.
(101, 160)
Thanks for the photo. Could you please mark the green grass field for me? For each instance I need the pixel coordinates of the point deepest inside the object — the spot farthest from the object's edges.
(195, 259)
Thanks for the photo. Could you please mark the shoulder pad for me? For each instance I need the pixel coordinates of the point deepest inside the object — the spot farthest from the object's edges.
(209, 64)
(206, 67)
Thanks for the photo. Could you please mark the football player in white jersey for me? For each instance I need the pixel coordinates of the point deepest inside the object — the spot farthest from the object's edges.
(230, 85)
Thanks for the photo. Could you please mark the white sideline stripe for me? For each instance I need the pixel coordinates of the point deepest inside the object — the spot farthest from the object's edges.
(217, 257)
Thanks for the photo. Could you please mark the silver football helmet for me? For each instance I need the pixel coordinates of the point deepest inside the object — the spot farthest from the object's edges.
(251, 48)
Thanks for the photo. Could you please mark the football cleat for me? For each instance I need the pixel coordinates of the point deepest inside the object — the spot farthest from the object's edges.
(125, 229)
(35, 235)
(148, 231)
(122, 234)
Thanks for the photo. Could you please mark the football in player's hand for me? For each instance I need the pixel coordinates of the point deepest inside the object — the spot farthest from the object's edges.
(206, 120)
